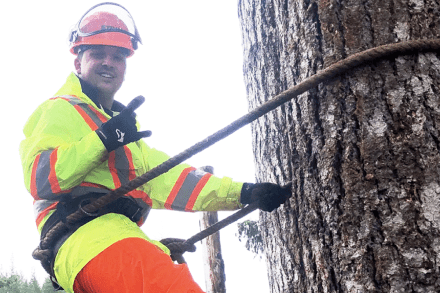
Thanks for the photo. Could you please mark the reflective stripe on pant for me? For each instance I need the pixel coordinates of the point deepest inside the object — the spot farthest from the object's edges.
(134, 265)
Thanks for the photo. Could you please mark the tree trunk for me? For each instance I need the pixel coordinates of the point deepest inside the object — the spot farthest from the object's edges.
(214, 266)
(362, 150)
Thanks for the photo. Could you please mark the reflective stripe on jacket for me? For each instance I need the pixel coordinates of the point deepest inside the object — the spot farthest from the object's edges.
(45, 183)
(62, 154)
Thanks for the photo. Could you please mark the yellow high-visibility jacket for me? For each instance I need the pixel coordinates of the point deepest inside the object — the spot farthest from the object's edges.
(61, 154)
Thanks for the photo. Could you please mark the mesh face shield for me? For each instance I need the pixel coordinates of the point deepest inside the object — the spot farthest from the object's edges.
(106, 24)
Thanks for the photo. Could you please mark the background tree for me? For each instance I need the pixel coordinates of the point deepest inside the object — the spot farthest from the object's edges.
(34, 287)
(362, 151)
(249, 233)
(47, 287)
(13, 282)
(16, 283)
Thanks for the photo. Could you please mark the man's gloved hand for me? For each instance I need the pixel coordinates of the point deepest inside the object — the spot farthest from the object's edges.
(177, 248)
(121, 129)
(270, 196)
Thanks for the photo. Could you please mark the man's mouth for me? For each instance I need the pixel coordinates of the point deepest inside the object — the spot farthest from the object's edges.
(106, 75)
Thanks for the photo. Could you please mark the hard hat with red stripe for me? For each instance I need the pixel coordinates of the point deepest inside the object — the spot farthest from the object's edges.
(105, 24)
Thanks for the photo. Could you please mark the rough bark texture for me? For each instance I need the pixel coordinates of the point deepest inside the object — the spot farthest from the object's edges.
(215, 277)
(214, 266)
(362, 150)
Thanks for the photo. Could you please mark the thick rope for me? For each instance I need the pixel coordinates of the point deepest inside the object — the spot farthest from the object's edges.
(310, 82)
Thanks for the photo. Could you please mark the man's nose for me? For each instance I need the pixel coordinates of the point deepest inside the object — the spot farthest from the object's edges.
(107, 61)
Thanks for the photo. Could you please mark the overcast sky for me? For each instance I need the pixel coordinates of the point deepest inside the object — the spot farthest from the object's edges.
(189, 68)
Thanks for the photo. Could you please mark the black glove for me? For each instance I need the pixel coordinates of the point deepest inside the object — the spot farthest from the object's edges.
(270, 196)
(177, 247)
(121, 129)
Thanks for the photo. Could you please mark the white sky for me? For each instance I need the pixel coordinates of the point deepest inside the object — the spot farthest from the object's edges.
(189, 68)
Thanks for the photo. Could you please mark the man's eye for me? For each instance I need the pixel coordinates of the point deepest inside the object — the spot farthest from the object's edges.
(118, 58)
(97, 55)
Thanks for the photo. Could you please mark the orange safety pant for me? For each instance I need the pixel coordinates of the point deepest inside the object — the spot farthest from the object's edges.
(134, 265)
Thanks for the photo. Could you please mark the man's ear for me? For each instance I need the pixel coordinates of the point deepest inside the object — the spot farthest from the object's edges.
(77, 64)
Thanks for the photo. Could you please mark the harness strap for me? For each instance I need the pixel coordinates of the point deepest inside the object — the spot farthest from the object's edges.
(126, 206)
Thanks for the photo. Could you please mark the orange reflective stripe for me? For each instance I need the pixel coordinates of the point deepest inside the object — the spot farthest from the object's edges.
(142, 195)
(62, 98)
(43, 214)
(53, 180)
(122, 164)
(98, 114)
(131, 170)
(177, 187)
(144, 201)
(88, 184)
(91, 116)
(192, 199)
(86, 118)
(113, 170)
(33, 187)
(185, 193)
(44, 181)
(43, 170)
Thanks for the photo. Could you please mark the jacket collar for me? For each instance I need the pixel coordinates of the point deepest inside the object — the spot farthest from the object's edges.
(74, 86)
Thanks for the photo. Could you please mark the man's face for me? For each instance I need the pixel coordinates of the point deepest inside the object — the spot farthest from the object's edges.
(103, 67)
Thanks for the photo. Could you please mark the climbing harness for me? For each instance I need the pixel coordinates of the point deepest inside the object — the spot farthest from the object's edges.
(179, 248)
(124, 205)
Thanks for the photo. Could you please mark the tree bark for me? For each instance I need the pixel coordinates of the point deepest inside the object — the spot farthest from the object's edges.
(214, 266)
(362, 150)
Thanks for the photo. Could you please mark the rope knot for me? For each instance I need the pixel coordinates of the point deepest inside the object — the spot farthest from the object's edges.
(177, 248)
(41, 254)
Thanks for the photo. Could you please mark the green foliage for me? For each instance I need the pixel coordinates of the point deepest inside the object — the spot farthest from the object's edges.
(250, 232)
(14, 283)
(47, 287)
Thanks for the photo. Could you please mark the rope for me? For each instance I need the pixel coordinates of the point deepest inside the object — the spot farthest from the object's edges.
(310, 82)
(179, 247)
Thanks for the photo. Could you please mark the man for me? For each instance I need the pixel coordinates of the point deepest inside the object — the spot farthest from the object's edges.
(81, 144)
